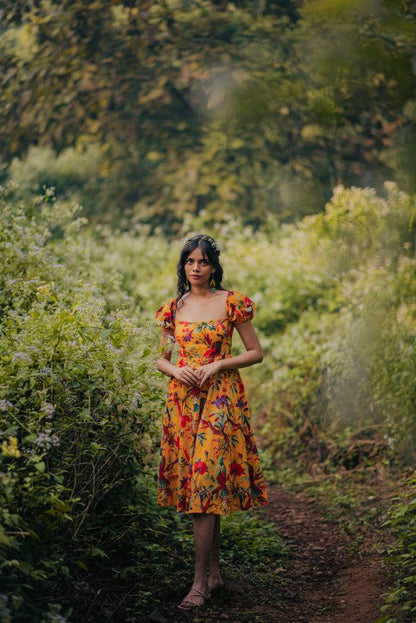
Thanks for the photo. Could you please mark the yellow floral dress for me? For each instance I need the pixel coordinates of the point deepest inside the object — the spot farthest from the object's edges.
(209, 461)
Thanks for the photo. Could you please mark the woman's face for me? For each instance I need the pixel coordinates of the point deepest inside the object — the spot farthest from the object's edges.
(198, 270)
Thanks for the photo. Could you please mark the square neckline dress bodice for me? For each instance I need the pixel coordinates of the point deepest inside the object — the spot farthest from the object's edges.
(208, 459)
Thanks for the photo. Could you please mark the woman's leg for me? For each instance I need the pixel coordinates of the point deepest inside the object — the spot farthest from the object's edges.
(215, 580)
(204, 525)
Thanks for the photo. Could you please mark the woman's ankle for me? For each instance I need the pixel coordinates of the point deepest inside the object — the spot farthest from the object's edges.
(215, 579)
(201, 583)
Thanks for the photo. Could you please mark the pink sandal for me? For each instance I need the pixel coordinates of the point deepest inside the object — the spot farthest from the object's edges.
(194, 592)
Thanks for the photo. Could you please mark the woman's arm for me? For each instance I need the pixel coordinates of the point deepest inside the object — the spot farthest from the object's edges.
(253, 354)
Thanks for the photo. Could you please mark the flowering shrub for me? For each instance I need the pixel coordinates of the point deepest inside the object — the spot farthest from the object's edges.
(79, 398)
(336, 309)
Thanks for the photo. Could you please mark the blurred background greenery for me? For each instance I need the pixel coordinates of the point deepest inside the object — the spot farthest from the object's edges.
(285, 129)
(154, 112)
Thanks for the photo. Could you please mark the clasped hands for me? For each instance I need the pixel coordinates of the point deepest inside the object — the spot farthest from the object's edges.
(199, 376)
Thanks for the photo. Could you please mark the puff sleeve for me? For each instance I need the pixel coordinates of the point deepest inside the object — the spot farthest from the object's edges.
(240, 308)
(165, 316)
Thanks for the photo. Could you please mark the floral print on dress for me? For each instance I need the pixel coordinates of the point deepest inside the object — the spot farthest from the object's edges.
(208, 457)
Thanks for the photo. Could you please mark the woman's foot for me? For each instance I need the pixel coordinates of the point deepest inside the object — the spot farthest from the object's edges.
(194, 599)
(215, 582)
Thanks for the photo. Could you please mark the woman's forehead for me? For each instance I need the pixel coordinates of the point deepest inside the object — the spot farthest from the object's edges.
(197, 254)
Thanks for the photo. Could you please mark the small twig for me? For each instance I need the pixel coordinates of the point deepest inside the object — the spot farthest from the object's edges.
(120, 602)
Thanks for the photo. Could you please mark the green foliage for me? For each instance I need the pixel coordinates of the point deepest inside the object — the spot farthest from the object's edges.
(251, 544)
(373, 352)
(400, 605)
(243, 109)
(79, 397)
(71, 174)
(336, 297)
(43, 168)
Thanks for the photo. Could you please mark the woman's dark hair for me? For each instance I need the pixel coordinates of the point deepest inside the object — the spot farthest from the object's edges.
(210, 251)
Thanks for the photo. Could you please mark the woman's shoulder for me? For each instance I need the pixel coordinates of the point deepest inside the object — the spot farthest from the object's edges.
(237, 297)
(165, 315)
(240, 307)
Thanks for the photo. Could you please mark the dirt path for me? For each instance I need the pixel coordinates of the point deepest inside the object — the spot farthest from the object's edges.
(333, 579)
(330, 578)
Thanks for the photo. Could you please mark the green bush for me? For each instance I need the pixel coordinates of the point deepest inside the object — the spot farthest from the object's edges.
(72, 173)
(400, 604)
(336, 308)
(79, 398)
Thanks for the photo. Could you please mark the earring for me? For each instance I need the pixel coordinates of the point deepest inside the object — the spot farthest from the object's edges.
(188, 285)
(212, 283)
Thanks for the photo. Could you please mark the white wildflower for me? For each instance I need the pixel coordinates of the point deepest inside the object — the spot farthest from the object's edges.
(48, 409)
(46, 371)
(46, 440)
(5, 404)
(22, 356)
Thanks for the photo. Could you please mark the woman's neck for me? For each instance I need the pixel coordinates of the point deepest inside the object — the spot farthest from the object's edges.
(200, 292)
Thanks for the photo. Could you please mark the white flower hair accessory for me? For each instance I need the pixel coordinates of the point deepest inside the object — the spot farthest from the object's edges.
(212, 243)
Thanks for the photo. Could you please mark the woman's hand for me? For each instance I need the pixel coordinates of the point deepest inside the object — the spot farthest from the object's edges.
(187, 375)
(208, 370)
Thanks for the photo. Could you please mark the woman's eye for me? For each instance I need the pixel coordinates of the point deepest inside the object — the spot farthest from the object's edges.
(201, 262)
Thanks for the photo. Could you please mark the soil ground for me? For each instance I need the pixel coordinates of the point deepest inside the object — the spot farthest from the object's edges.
(333, 578)
(330, 577)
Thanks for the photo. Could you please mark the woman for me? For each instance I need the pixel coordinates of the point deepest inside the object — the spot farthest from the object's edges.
(209, 463)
